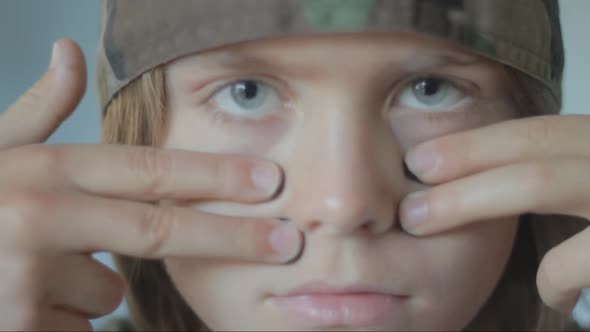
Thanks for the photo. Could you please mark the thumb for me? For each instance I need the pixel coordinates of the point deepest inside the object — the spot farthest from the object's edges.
(40, 110)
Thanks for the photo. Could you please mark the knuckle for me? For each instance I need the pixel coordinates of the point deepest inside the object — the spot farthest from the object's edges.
(154, 165)
(49, 159)
(538, 130)
(26, 209)
(155, 227)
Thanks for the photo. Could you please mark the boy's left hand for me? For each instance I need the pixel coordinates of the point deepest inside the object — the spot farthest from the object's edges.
(531, 165)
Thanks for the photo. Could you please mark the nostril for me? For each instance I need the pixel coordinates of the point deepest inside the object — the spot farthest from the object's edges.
(313, 225)
(370, 225)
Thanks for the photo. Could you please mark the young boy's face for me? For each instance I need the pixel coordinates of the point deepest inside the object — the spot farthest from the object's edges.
(338, 114)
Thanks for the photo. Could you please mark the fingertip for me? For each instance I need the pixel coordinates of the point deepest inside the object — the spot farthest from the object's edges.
(423, 162)
(67, 53)
(299, 251)
(267, 177)
(552, 291)
(287, 242)
(69, 65)
(54, 61)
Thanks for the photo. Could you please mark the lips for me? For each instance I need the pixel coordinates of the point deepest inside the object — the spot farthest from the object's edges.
(325, 305)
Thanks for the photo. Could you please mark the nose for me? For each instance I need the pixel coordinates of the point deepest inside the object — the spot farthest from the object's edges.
(343, 174)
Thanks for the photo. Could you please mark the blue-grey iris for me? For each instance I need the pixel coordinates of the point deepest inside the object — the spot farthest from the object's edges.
(430, 91)
(249, 94)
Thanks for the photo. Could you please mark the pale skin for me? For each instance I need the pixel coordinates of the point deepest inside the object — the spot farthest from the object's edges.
(60, 203)
(46, 234)
(340, 127)
(542, 168)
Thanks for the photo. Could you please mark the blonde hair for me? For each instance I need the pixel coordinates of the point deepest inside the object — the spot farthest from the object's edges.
(136, 116)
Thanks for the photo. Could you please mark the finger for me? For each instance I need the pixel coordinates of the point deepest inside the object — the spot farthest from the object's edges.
(142, 173)
(564, 271)
(43, 318)
(40, 110)
(465, 153)
(50, 222)
(60, 319)
(542, 187)
(82, 283)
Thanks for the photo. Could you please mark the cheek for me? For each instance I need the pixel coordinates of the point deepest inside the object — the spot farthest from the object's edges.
(197, 130)
(413, 128)
(463, 268)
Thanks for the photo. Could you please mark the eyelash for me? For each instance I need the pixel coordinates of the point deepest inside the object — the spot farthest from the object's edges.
(467, 88)
(219, 117)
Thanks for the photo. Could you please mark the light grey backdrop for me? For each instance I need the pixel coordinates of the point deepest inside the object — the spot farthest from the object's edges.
(29, 27)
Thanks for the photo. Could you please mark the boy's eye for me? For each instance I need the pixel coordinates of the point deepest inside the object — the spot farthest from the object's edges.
(430, 94)
(247, 97)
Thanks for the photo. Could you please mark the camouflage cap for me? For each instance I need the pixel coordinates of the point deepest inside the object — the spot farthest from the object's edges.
(137, 35)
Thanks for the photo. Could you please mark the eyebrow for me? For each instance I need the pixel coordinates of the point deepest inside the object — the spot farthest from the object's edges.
(421, 60)
(417, 61)
(241, 61)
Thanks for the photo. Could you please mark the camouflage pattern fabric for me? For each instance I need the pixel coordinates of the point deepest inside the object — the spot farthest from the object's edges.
(137, 35)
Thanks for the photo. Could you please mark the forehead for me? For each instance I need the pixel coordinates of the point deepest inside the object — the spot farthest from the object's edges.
(413, 50)
(137, 35)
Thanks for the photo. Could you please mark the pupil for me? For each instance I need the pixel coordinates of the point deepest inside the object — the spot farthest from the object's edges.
(248, 89)
(428, 86)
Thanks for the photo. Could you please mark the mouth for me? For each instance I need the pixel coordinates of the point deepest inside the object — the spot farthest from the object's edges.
(325, 305)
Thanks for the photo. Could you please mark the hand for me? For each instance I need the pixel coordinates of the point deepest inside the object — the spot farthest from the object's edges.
(61, 203)
(533, 165)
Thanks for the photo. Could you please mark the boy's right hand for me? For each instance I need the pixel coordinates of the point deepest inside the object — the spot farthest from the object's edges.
(61, 203)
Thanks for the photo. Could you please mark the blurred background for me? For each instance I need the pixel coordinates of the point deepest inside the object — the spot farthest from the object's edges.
(28, 29)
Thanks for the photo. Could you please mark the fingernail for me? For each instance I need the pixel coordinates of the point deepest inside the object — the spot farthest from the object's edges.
(285, 240)
(422, 161)
(414, 210)
(266, 177)
(55, 55)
